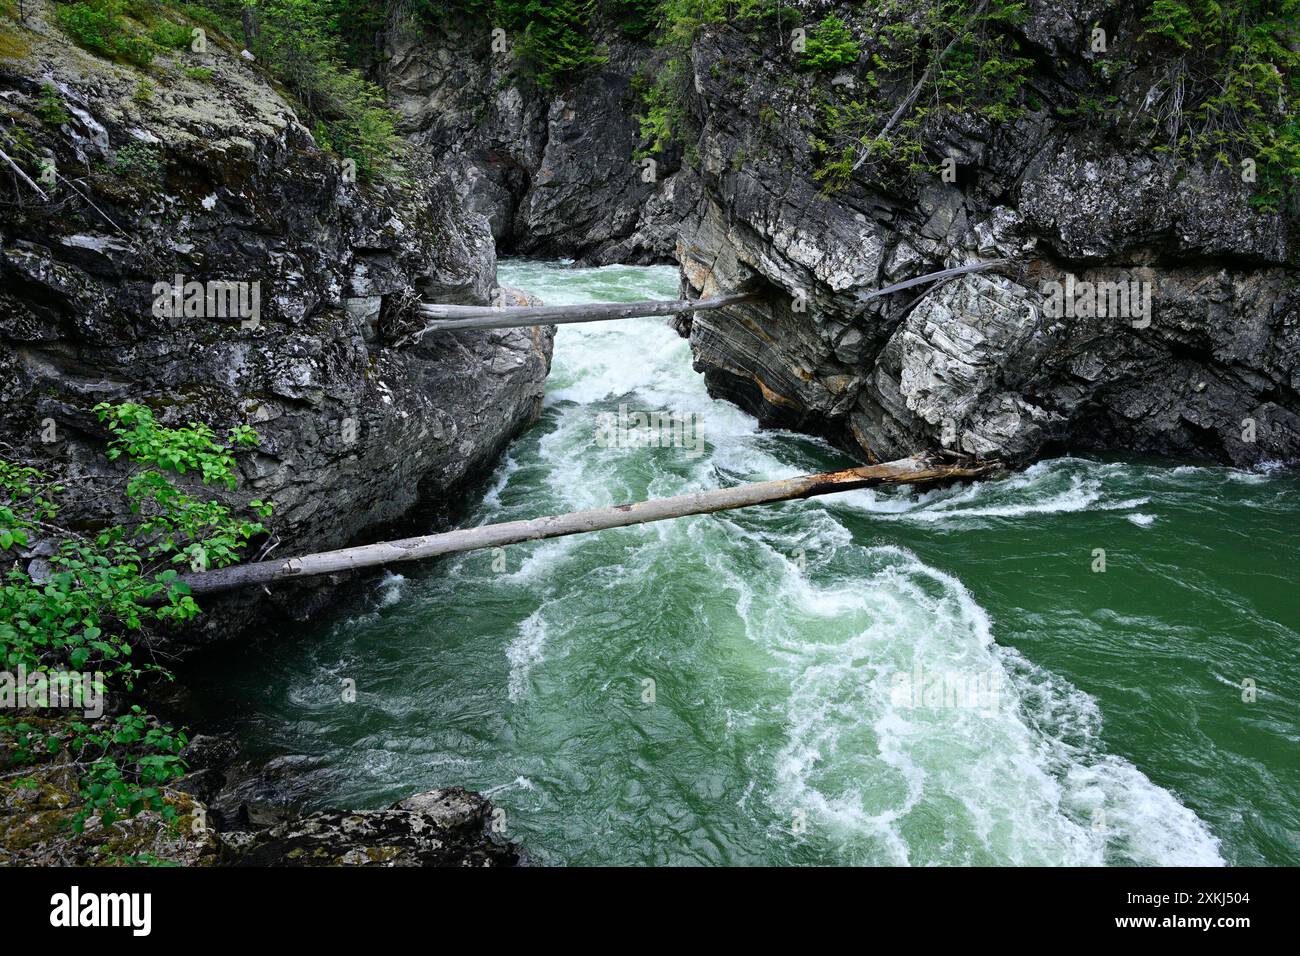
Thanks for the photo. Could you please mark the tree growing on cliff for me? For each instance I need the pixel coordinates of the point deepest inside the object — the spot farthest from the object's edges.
(830, 46)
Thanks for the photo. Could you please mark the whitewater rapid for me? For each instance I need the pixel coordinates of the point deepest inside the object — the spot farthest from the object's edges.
(833, 619)
(862, 678)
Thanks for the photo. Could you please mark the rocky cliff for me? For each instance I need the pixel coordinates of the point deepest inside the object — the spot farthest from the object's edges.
(989, 364)
(992, 364)
(556, 173)
(203, 173)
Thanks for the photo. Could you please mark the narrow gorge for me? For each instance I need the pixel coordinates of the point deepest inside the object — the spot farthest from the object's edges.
(220, 221)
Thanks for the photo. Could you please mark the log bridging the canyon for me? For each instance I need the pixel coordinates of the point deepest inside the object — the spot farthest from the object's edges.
(460, 318)
(917, 470)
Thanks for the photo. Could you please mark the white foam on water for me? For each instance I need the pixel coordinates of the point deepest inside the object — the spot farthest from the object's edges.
(524, 653)
(1061, 486)
(1141, 520)
(391, 588)
(864, 763)
(880, 779)
(500, 479)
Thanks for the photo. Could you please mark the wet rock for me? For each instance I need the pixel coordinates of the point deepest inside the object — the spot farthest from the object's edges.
(451, 827)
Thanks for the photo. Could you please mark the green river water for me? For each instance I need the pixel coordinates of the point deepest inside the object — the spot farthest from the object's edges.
(757, 687)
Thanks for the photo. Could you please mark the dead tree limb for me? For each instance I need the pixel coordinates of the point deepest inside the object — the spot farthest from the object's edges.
(918, 470)
(459, 318)
(23, 176)
(908, 100)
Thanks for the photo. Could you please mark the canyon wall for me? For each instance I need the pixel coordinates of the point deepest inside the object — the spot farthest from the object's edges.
(989, 364)
(215, 178)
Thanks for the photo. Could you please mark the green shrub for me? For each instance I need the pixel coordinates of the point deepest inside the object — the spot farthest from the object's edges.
(830, 46)
(170, 35)
(104, 586)
(100, 26)
(974, 67)
(138, 161)
(637, 18)
(1232, 88)
(551, 38)
(662, 113)
(298, 43)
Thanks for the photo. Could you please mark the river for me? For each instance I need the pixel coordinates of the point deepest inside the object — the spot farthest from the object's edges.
(865, 678)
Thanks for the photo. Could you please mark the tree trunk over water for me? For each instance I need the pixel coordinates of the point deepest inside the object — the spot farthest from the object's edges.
(918, 470)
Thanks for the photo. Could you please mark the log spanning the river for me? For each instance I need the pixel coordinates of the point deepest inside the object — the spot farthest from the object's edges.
(918, 470)
(459, 318)
(489, 317)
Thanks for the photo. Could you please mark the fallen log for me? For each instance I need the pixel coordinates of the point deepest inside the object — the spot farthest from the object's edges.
(918, 470)
(489, 317)
(453, 318)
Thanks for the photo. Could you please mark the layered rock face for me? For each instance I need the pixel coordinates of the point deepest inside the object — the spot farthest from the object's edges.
(994, 364)
(555, 173)
(216, 180)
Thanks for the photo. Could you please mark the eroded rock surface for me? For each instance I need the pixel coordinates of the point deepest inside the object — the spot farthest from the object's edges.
(451, 827)
(217, 179)
(555, 173)
(985, 364)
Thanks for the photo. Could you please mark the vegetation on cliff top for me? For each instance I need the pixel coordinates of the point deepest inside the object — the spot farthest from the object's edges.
(1230, 89)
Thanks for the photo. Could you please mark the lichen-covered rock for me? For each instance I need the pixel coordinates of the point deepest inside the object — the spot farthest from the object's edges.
(451, 827)
(39, 803)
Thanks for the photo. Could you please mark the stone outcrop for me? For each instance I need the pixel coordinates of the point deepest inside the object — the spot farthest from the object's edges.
(555, 173)
(447, 827)
(988, 364)
(450, 827)
(216, 178)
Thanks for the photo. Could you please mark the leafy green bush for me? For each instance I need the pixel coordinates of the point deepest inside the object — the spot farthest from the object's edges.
(830, 46)
(1231, 91)
(100, 26)
(138, 161)
(105, 585)
(170, 35)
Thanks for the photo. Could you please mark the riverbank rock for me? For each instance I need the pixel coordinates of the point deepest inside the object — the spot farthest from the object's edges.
(451, 827)
(39, 802)
(204, 173)
(989, 364)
